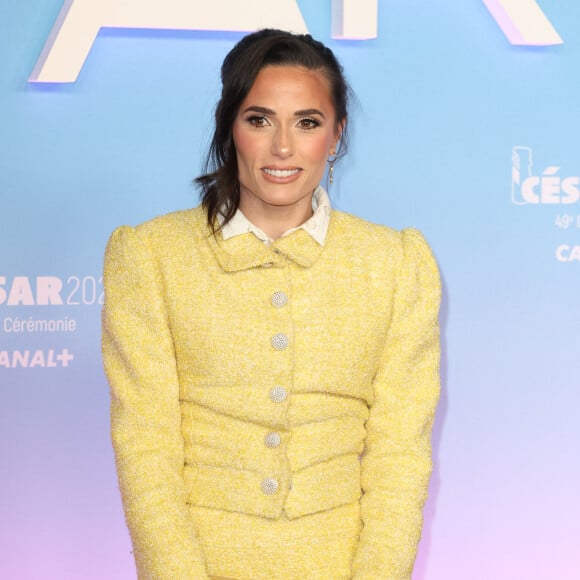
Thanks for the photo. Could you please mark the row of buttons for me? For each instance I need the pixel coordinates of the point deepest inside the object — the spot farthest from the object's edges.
(270, 484)
(278, 394)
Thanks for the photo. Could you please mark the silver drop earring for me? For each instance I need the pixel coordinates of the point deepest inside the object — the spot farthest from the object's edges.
(331, 162)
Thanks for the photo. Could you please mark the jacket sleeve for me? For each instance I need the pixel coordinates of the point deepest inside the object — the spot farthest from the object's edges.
(396, 464)
(140, 364)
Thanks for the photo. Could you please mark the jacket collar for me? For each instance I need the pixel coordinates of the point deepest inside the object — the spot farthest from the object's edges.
(246, 251)
(316, 225)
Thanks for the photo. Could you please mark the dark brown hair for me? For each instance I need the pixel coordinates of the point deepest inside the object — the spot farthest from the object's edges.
(220, 188)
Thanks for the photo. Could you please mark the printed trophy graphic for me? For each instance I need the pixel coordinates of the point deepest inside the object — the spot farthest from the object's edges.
(521, 170)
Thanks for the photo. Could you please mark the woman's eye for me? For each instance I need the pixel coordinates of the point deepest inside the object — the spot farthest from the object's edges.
(308, 124)
(257, 121)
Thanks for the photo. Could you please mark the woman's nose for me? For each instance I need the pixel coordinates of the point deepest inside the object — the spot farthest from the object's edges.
(282, 145)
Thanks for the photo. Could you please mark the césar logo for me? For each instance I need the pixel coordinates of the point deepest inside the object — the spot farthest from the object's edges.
(547, 188)
(51, 291)
(19, 292)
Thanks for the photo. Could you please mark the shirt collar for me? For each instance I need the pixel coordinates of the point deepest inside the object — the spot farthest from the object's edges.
(316, 226)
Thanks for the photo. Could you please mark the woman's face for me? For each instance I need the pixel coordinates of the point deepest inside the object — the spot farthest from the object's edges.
(284, 132)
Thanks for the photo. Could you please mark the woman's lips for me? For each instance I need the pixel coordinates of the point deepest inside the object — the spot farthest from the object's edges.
(281, 175)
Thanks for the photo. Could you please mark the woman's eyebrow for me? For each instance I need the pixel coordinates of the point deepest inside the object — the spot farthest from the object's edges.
(266, 111)
(306, 112)
(263, 110)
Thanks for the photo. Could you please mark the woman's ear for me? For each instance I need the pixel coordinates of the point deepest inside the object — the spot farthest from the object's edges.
(339, 128)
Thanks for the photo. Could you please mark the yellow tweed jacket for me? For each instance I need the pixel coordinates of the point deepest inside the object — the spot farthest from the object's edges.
(271, 380)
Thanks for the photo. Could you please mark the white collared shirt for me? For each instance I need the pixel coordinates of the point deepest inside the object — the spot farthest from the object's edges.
(316, 226)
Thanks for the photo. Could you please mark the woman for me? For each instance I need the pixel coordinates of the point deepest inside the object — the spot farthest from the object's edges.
(273, 363)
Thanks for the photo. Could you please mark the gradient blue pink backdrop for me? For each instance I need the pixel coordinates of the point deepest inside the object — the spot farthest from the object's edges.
(445, 105)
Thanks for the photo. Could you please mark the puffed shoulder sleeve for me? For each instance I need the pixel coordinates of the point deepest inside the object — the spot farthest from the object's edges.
(396, 464)
(140, 365)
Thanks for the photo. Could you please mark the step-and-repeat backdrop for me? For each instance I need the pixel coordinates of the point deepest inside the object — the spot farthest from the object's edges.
(466, 126)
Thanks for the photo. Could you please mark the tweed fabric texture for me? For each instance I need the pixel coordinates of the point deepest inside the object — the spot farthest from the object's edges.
(204, 367)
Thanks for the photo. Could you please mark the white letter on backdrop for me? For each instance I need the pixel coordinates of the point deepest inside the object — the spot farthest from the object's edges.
(79, 22)
(523, 22)
(354, 19)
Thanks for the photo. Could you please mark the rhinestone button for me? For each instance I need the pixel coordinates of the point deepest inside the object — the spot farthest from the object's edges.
(269, 486)
(278, 394)
(279, 299)
(272, 440)
(280, 341)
